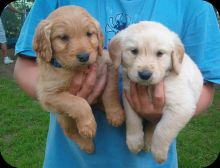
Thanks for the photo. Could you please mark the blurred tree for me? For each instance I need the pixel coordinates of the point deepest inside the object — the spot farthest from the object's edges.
(13, 21)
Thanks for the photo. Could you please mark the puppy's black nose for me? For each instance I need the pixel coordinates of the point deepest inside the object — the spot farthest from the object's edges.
(83, 57)
(144, 75)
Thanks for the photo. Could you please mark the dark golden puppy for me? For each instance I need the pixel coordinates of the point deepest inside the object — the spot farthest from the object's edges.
(66, 42)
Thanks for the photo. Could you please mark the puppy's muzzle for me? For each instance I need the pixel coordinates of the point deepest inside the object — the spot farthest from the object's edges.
(83, 57)
(144, 75)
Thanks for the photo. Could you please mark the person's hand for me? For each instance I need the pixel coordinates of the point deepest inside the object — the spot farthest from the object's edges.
(149, 106)
(89, 85)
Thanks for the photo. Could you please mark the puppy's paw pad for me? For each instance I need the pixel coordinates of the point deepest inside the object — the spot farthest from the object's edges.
(135, 148)
(135, 144)
(160, 159)
(88, 148)
(88, 130)
(159, 155)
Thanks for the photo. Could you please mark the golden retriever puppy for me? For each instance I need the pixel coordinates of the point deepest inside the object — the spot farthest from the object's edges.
(149, 53)
(66, 43)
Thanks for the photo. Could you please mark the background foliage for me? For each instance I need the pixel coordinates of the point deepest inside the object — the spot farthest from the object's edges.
(14, 21)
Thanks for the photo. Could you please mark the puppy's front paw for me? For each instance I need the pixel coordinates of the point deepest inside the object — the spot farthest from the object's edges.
(159, 154)
(116, 118)
(88, 147)
(135, 143)
(87, 129)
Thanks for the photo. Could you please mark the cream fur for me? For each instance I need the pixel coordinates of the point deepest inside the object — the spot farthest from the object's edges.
(182, 81)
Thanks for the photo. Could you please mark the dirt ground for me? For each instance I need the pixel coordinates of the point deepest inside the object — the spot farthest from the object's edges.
(7, 70)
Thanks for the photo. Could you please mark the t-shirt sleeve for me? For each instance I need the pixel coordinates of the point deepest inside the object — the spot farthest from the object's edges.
(202, 42)
(39, 11)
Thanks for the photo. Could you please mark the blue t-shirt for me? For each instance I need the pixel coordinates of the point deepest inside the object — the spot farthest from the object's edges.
(193, 20)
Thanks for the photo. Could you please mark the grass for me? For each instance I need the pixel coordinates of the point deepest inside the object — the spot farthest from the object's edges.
(23, 131)
(23, 127)
(198, 144)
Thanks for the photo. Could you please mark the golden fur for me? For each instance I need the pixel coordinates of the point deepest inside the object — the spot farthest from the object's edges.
(67, 34)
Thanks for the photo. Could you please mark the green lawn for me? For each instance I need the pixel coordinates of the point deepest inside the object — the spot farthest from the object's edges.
(23, 127)
(198, 144)
(23, 131)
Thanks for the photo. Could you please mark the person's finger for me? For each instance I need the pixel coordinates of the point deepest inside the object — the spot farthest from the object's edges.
(158, 95)
(143, 96)
(89, 82)
(99, 86)
(128, 97)
(134, 96)
(76, 83)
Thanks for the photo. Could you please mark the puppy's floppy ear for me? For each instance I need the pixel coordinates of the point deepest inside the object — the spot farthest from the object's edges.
(100, 38)
(177, 55)
(115, 51)
(101, 41)
(41, 42)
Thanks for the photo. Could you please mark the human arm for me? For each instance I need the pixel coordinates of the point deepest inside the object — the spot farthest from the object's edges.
(26, 74)
(88, 87)
(205, 99)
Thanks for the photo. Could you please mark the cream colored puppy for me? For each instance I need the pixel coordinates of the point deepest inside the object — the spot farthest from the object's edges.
(149, 53)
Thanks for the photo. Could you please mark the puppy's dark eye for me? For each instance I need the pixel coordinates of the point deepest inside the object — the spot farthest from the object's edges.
(89, 34)
(64, 37)
(134, 51)
(159, 53)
